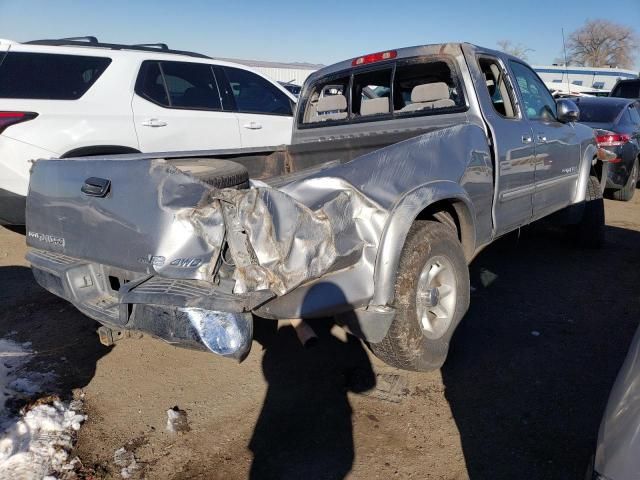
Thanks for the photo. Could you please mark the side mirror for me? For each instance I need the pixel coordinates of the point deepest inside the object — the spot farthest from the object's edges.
(568, 111)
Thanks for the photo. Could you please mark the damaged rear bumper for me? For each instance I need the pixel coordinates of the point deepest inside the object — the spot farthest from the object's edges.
(186, 313)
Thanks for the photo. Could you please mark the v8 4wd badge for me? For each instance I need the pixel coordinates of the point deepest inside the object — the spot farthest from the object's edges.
(186, 262)
(154, 260)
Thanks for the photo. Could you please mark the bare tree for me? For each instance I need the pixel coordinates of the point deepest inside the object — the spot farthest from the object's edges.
(601, 43)
(517, 50)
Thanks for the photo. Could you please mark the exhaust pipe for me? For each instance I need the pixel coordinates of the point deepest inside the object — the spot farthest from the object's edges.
(305, 333)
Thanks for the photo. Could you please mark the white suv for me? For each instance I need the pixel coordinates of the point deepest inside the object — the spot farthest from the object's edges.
(78, 97)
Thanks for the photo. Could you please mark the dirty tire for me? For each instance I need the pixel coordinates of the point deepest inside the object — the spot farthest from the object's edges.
(217, 173)
(405, 345)
(590, 231)
(626, 193)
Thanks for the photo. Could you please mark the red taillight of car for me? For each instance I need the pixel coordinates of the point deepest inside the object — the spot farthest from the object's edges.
(11, 118)
(374, 57)
(611, 139)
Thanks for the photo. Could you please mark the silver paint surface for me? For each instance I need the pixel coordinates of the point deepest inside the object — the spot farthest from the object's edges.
(618, 451)
(330, 241)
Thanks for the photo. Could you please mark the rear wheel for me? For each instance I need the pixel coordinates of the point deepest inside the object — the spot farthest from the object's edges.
(626, 193)
(431, 297)
(590, 230)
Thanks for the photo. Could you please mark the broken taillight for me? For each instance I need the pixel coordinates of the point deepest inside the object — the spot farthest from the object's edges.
(11, 118)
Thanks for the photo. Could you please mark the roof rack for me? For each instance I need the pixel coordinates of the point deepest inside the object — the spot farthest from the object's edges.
(87, 38)
(161, 46)
(90, 41)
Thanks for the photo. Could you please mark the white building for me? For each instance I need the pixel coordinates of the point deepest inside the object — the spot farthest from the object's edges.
(590, 77)
(295, 72)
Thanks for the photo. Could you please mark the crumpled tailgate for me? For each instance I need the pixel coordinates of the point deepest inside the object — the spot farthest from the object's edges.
(140, 215)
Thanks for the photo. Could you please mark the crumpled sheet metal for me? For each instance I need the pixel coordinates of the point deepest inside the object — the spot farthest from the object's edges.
(330, 221)
(195, 220)
(292, 242)
(335, 219)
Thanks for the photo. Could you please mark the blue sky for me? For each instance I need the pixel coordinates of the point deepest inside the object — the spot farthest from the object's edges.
(317, 32)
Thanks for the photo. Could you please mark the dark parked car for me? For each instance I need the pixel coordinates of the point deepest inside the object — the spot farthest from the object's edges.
(617, 125)
(293, 88)
(627, 89)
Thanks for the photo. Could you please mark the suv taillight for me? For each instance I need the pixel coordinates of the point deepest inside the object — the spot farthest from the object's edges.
(611, 139)
(11, 118)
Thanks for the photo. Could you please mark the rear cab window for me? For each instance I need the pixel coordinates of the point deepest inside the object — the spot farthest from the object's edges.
(47, 76)
(598, 112)
(391, 90)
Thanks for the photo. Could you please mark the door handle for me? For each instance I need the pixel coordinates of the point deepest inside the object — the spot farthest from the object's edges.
(252, 126)
(527, 139)
(96, 187)
(154, 122)
(542, 139)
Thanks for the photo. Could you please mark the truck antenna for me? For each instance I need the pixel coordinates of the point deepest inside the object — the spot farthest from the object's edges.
(566, 70)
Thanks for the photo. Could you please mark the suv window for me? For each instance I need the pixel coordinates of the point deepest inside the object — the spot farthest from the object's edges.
(49, 76)
(627, 89)
(191, 85)
(179, 85)
(150, 84)
(254, 94)
(538, 102)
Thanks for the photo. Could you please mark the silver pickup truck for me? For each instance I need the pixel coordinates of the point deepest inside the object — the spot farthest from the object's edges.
(404, 164)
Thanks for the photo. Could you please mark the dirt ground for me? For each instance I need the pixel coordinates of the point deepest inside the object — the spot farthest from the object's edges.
(521, 395)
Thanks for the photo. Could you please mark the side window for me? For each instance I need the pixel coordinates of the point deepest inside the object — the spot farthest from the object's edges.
(150, 84)
(191, 85)
(635, 115)
(328, 101)
(538, 102)
(371, 93)
(497, 87)
(48, 76)
(254, 94)
(425, 86)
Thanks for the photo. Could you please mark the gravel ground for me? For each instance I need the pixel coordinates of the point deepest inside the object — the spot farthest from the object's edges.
(521, 395)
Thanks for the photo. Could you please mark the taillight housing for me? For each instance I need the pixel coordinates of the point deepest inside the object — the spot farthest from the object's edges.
(11, 118)
(604, 138)
(374, 57)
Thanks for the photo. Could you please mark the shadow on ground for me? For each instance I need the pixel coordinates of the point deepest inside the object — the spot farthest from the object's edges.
(305, 427)
(65, 341)
(531, 365)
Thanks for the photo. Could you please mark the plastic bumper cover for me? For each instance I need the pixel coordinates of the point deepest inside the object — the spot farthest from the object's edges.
(187, 313)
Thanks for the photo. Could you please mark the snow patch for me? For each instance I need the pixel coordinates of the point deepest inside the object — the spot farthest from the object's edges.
(127, 461)
(36, 444)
